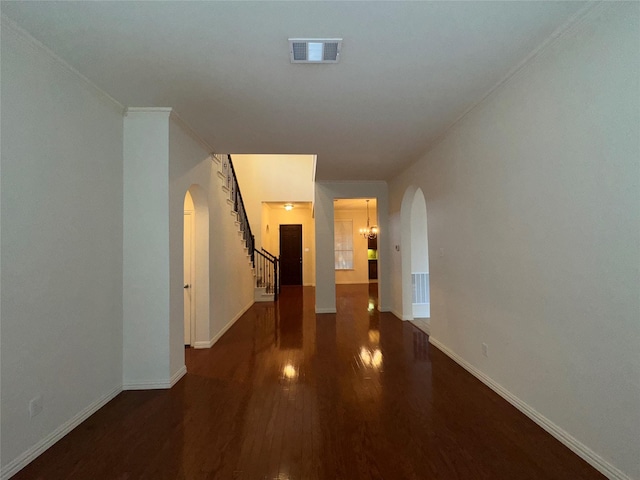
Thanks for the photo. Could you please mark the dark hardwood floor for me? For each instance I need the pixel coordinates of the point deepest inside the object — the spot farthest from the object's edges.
(286, 394)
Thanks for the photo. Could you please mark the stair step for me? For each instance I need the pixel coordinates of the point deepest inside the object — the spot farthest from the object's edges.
(260, 295)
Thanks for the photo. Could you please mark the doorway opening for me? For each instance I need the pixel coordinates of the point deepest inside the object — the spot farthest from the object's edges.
(416, 301)
(189, 270)
(355, 237)
(196, 268)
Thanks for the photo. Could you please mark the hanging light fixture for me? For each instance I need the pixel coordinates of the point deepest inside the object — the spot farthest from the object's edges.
(369, 232)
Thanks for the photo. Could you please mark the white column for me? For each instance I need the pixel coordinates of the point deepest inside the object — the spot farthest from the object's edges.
(146, 354)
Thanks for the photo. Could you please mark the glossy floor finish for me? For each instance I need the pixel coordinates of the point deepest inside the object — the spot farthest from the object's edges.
(287, 394)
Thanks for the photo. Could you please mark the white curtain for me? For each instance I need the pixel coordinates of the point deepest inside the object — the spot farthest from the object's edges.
(343, 244)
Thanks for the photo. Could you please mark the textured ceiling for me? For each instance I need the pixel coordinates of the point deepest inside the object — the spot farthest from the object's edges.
(408, 70)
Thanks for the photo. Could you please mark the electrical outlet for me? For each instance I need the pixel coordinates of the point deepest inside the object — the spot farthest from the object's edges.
(35, 406)
(485, 350)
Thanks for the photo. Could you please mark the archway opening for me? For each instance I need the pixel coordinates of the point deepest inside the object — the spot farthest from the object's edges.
(420, 298)
(355, 241)
(196, 268)
(416, 302)
(189, 270)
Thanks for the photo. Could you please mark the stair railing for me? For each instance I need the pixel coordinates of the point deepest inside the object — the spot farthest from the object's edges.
(238, 207)
(267, 273)
(276, 271)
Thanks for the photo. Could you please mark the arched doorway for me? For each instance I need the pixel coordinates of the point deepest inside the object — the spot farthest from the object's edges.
(196, 268)
(415, 256)
(421, 305)
(189, 270)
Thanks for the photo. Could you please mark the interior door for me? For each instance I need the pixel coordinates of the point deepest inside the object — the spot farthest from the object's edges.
(188, 283)
(290, 254)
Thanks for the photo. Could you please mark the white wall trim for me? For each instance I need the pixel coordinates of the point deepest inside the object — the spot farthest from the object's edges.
(326, 310)
(148, 385)
(190, 131)
(148, 110)
(12, 26)
(421, 325)
(217, 336)
(574, 22)
(204, 344)
(579, 448)
(28, 456)
(157, 385)
(400, 316)
(182, 371)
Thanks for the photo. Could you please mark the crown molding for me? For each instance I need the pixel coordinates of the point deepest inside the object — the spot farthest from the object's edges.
(191, 132)
(20, 33)
(167, 110)
(576, 21)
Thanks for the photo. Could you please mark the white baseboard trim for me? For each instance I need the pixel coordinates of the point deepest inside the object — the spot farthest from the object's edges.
(422, 326)
(205, 344)
(182, 371)
(28, 456)
(400, 316)
(577, 447)
(326, 310)
(158, 384)
(148, 385)
(217, 336)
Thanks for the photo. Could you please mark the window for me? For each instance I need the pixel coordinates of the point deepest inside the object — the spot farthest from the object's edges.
(343, 244)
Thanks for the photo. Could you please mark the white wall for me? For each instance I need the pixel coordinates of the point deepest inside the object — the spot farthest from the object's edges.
(146, 247)
(61, 223)
(326, 192)
(360, 272)
(229, 269)
(534, 199)
(273, 178)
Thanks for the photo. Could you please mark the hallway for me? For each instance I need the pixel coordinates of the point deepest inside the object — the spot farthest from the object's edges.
(286, 394)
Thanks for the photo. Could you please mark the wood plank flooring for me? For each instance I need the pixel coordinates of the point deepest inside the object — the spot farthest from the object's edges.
(289, 395)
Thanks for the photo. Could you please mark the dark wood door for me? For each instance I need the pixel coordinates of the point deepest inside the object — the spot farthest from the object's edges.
(290, 254)
(373, 269)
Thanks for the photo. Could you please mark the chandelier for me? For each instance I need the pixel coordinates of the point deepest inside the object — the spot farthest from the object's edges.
(370, 231)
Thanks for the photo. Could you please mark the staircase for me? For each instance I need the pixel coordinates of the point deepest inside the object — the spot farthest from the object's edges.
(266, 275)
(264, 264)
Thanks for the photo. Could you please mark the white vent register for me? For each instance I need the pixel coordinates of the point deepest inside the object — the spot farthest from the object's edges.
(315, 50)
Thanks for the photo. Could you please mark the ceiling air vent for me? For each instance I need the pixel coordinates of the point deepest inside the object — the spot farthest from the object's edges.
(315, 50)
